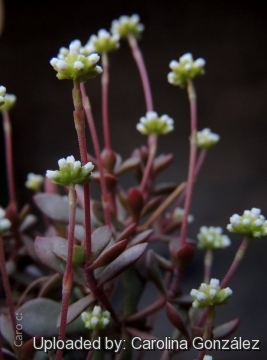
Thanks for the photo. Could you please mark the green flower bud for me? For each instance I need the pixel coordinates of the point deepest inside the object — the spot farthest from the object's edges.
(72, 64)
(10, 100)
(127, 25)
(251, 223)
(34, 182)
(212, 238)
(153, 124)
(103, 42)
(210, 294)
(71, 172)
(185, 69)
(97, 319)
(206, 139)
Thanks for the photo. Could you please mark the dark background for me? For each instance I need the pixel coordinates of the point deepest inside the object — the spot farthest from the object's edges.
(232, 37)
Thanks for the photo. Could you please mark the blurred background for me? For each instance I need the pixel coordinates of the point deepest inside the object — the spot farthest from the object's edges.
(231, 36)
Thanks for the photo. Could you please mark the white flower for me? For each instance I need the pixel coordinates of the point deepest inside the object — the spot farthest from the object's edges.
(5, 224)
(210, 294)
(178, 215)
(251, 223)
(97, 319)
(212, 238)
(206, 138)
(73, 64)
(153, 124)
(71, 172)
(34, 181)
(185, 69)
(9, 102)
(103, 42)
(207, 357)
(127, 25)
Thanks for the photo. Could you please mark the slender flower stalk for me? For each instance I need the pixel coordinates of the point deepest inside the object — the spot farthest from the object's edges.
(7, 287)
(105, 83)
(9, 157)
(192, 159)
(79, 121)
(208, 330)
(91, 124)
(207, 265)
(152, 141)
(138, 57)
(238, 258)
(68, 275)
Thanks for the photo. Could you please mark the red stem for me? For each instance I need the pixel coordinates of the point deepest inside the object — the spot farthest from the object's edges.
(79, 121)
(238, 257)
(91, 123)
(158, 304)
(68, 275)
(207, 265)
(104, 83)
(137, 54)
(9, 157)
(7, 287)
(192, 160)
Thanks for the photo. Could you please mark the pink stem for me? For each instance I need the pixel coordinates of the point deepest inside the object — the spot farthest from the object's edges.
(192, 160)
(142, 314)
(79, 121)
(238, 257)
(68, 275)
(104, 83)
(137, 54)
(91, 123)
(152, 142)
(9, 157)
(7, 287)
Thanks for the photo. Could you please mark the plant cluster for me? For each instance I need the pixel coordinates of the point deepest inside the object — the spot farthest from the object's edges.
(62, 282)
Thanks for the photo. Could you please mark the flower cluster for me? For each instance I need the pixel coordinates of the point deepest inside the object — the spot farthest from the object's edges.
(34, 181)
(127, 25)
(185, 69)
(10, 100)
(153, 124)
(72, 64)
(5, 224)
(103, 42)
(178, 215)
(71, 172)
(97, 319)
(206, 139)
(210, 294)
(2, 94)
(212, 238)
(251, 223)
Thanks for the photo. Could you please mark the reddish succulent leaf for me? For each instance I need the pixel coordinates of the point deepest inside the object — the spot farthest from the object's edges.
(154, 271)
(60, 247)
(28, 350)
(29, 245)
(162, 161)
(128, 165)
(75, 309)
(151, 205)
(135, 201)
(183, 300)
(110, 254)
(109, 159)
(97, 211)
(126, 259)
(111, 180)
(133, 286)
(226, 329)
(164, 263)
(28, 222)
(56, 208)
(8, 355)
(184, 255)
(44, 251)
(176, 320)
(100, 239)
(141, 237)
(127, 231)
